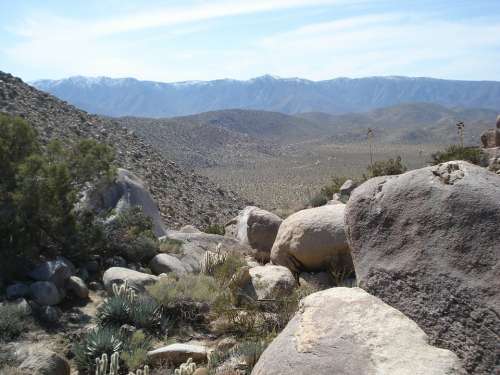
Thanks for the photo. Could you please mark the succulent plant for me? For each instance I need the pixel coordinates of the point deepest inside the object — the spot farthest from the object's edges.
(99, 341)
(187, 368)
(102, 365)
(141, 372)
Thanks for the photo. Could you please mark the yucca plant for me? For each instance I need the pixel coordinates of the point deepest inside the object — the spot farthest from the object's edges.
(99, 341)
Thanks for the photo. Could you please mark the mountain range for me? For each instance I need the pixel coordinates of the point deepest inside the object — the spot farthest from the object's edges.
(132, 97)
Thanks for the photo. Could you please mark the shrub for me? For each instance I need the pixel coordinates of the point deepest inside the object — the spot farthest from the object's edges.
(455, 152)
(135, 350)
(386, 168)
(193, 288)
(94, 344)
(170, 246)
(318, 200)
(224, 271)
(216, 229)
(251, 351)
(12, 322)
(39, 188)
(333, 187)
(131, 235)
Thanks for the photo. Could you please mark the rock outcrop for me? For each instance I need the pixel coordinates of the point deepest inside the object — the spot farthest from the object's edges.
(427, 243)
(256, 228)
(126, 191)
(491, 138)
(269, 282)
(310, 240)
(347, 331)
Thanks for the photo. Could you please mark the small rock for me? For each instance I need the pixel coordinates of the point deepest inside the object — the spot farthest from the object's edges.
(17, 290)
(45, 293)
(78, 287)
(118, 275)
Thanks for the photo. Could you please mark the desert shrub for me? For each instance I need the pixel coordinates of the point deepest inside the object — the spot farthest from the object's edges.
(386, 168)
(455, 152)
(131, 235)
(215, 229)
(327, 191)
(135, 350)
(146, 314)
(39, 187)
(170, 246)
(318, 200)
(192, 288)
(12, 322)
(251, 351)
(94, 344)
(224, 271)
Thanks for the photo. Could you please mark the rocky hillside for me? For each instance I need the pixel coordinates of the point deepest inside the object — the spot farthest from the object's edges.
(183, 196)
(131, 97)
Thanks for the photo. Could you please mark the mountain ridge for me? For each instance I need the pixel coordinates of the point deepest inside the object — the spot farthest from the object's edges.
(131, 97)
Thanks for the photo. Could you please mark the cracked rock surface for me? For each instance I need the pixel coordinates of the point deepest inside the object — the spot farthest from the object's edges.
(427, 242)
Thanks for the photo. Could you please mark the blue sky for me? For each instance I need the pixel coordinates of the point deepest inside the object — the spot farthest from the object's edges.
(203, 40)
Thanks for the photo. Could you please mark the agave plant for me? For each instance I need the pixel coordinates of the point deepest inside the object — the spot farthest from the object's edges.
(115, 311)
(99, 341)
(146, 314)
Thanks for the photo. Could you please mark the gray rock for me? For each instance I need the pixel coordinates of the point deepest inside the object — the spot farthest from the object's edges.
(195, 245)
(50, 314)
(316, 280)
(17, 290)
(270, 282)
(347, 331)
(190, 229)
(38, 360)
(45, 293)
(57, 271)
(346, 189)
(178, 353)
(166, 263)
(427, 243)
(118, 275)
(312, 239)
(126, 191)
(78, 287)
(256, 228)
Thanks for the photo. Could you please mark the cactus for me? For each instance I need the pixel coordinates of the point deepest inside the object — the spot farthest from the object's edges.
(141, 372)
(102, 365)
(124, 291)
(212, 260)
(187, 368)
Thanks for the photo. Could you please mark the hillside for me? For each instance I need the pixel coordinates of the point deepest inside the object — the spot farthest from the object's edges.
(131, 97)
(183, 197)
(408, 123)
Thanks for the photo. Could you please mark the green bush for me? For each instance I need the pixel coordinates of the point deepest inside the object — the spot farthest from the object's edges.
(12, 322)
(224, 271)
(135, 350)
(146, 314)
(386, 168)
(170, 246)
(216, 229)
(131, 235)
(318, 200)
(39, 187)
(327, 191)
(455, 152)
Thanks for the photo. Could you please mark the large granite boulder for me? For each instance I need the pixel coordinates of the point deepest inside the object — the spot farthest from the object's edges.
(166, 263)
(176, 354)
(193, 247)
(428, 243)
(347, 331)
(127, 190)
(312, 239)
(256, 228)
(135, 279)
(36, 359)
(46, 293)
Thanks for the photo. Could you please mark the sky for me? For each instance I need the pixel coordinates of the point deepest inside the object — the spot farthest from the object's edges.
(174, 40)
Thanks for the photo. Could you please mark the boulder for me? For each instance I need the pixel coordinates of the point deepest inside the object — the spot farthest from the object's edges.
(57, 271)
(36, 359)
(45, 293)
(347, 331)
(270, 282)
(346, 189)
(316, 280)
(256, 228)
(176, 354)
(17, 290)
(427, 243)
(77, 286)
(312, 239)
(166, 263)
(195, 245)
(490, 138)
(135, 279)
(127, 190)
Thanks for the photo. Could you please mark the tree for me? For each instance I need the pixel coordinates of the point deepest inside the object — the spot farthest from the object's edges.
(39, 188)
